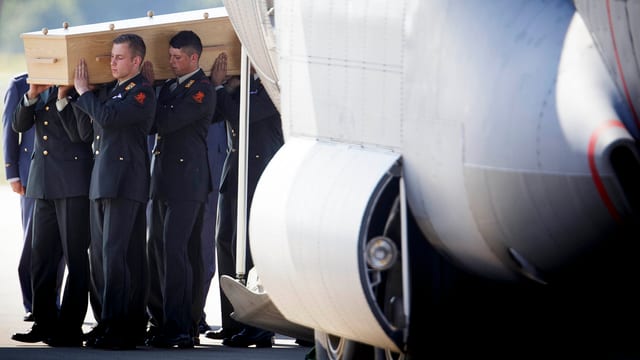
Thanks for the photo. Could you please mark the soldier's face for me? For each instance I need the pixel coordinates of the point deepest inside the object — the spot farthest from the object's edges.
(181, 63)
(123, 64)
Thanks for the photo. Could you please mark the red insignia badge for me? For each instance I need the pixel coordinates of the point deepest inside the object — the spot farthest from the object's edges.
(198, 97)
(140, 98)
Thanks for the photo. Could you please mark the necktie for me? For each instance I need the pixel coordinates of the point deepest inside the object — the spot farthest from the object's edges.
(173, 85)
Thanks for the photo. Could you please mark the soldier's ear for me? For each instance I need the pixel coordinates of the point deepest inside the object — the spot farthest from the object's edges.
(137, 60)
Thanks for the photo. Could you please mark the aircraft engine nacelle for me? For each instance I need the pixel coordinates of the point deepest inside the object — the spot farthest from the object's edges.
(326, 202)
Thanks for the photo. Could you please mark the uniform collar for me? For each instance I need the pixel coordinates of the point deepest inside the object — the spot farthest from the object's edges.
(118, 84)
(182, 78)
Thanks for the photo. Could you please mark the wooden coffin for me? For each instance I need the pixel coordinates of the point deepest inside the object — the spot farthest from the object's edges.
(52, 55)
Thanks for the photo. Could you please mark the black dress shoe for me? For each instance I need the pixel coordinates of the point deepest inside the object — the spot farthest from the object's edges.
(64, 341)
(29, 317)
(112, 342)
(182, 341)
(66, 337)
(250, 336)
(33, 335)
(152, 332)
(203, 327)
(221, 333)
(93, 334)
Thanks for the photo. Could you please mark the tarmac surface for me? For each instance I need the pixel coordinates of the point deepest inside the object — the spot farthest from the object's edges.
(11, 313)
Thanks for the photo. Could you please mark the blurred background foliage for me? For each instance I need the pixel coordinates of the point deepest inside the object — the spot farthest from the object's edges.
(22, 16)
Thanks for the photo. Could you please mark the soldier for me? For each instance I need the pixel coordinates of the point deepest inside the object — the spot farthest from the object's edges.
(17, 159)
(217, 151)
(180, 184)
(122, 114)
(59, 183)
(265, 140)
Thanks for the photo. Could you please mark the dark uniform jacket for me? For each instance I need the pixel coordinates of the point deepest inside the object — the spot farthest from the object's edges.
(183, 116)
(265, 133)
(17, 147)
(61, 162)
(122, 117)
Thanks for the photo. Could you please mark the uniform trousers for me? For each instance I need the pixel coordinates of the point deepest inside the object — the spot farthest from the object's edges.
(176, 296)
(60, 230)
(208, 246)
(226, 235)
(119, 266)
(24, 266)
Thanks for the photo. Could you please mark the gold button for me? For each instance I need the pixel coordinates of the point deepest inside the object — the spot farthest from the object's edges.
(257, 156)
(233, 150)
(26, 150)
(97, 137)
(157, 153)
(7, 165)
(46, 108)
(158, 137)
(97, 152)
(181, 160)
(46, 123)
(45, 153)
(75, 158)
(45, 138)
(121, 158)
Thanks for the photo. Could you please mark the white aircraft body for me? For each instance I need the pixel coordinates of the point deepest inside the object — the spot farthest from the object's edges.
(447, 163)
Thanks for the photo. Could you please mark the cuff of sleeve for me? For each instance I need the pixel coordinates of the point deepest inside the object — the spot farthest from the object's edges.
(61, 103)
(29, 102)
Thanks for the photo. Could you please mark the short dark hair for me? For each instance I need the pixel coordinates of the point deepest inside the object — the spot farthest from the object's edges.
(188, 41)
(136, 44)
